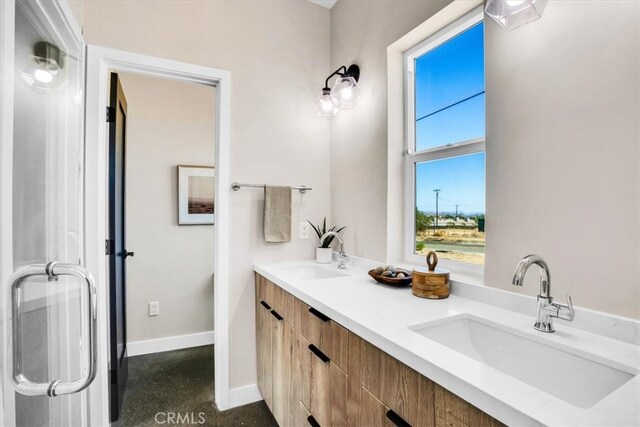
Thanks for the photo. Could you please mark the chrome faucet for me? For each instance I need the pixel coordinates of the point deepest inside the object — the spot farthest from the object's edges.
(342, 261)
(547, 309)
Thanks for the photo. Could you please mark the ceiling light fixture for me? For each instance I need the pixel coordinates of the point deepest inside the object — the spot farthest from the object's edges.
(343, 96)
(49, 60)
(512, 14)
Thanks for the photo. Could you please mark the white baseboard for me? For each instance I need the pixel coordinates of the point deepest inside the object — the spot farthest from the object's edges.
(136, 348)
(244, 395)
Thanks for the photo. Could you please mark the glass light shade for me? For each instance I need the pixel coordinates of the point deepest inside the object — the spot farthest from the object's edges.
(346, 92)
(512, 14)
(43, 75)
(325, 104)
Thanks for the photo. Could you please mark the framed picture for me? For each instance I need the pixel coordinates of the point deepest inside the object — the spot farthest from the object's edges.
(196, 195)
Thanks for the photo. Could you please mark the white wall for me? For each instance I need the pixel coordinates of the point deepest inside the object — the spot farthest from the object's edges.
(563, 147)
(360, 33)
(278, 55)
(563, 144)
(168, 123)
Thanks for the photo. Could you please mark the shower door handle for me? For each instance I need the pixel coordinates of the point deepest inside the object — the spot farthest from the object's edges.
(51, 271)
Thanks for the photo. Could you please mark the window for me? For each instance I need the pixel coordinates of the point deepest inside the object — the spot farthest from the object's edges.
(445, 160)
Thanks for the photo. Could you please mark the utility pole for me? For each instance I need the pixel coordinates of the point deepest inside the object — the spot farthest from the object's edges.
(437, 191)
(457, 212)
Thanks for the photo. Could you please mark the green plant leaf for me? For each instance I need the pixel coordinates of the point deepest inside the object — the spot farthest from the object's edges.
(316, 229)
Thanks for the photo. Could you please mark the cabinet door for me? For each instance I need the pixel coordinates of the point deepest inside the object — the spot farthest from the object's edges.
(283, 371)
(328, 390)
(331, 338)
(264, 333)
(452, 411)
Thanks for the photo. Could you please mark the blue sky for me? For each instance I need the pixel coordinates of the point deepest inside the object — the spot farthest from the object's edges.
(450, 107)
(460, 180)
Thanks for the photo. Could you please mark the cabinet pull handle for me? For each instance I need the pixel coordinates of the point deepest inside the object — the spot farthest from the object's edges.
(312, 421)
(276, 315)
(318, 314)
(265, 305)
(397, 419)
(315, 350)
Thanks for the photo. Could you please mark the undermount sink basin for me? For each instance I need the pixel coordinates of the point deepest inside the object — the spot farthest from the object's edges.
(577, 379)
(313, 272)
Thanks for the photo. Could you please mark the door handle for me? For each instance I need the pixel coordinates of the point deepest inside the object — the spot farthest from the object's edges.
(127, 253)
(52, 271)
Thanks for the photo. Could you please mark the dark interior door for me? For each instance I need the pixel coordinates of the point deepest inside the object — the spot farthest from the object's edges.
(116, 249)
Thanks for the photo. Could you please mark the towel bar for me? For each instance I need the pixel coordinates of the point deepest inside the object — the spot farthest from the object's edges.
(237, 186)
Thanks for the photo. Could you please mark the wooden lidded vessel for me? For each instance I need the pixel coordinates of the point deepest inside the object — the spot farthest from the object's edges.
(432, 283)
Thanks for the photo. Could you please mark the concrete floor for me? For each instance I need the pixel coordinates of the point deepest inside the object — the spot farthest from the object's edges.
(181, 382)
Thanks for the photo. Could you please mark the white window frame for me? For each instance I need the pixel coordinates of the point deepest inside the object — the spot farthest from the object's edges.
(413, 157)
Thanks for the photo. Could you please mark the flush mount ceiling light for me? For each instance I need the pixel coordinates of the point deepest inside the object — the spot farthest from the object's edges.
(343, 96)
(512, 14)
(43, 72)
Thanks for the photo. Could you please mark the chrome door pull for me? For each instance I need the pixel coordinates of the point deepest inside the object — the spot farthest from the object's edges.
(52, 270)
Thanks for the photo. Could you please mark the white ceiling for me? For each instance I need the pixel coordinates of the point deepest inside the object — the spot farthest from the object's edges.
(325, 3)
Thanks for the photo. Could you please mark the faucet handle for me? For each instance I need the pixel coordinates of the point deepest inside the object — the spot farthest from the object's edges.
(566, 312)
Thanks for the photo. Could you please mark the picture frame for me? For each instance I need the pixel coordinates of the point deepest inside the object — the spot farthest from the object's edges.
(196, 195)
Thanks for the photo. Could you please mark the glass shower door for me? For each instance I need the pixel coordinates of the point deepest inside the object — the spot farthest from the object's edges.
(48, 305)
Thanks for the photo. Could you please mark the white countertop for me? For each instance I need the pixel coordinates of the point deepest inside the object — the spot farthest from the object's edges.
(381, 315)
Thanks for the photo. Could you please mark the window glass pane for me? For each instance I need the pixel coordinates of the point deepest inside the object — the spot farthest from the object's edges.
(450, 208)
(461, 122)
(449, 83)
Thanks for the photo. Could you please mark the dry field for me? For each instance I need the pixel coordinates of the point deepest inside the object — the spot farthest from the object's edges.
(450, 244)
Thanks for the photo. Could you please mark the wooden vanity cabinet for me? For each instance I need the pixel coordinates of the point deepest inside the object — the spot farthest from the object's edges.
(314, 372)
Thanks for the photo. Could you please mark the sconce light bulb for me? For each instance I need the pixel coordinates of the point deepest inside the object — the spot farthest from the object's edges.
(43, 76)
(515, 2)
(327, 105)
(346, 93)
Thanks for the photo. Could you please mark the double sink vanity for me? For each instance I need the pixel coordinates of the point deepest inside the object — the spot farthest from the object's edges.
(336, 348)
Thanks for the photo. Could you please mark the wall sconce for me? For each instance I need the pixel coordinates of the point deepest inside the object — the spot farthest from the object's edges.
(512, 14)
(343, 96)
(49, 60)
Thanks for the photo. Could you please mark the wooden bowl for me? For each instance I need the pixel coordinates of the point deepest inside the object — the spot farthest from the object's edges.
(392, 281)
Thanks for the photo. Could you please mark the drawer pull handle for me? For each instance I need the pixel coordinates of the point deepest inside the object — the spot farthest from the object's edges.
(318, 314)
(315, 350)
(265, 305)
(276, 315)
(397, 419)
(312, 421)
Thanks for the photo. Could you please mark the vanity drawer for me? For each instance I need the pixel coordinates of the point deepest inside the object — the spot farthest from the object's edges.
(323, 386)
(404, 392)
(373, 413)
(328, 336)
(276, 298)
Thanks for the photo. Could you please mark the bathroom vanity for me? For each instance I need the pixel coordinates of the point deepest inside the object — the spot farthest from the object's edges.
(336, 348)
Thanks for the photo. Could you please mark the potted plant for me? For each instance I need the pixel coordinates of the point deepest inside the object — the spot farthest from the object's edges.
(323, 251)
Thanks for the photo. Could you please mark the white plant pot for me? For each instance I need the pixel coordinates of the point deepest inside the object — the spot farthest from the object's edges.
(324, 255)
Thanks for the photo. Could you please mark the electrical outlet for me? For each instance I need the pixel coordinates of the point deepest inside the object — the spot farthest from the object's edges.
(304, 231)
(154, 308)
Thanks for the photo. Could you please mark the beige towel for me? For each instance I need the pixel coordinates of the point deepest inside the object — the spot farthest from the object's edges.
(277, 214)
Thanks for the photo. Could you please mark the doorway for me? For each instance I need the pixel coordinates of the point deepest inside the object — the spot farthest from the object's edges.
(100, 63)
(161, 156)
